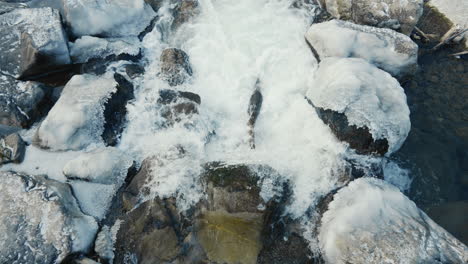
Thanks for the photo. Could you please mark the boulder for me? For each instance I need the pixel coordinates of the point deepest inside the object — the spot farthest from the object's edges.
(175, 66)
(177, 106)
(22, 103)
(183, 11)
(33, 42)
(378, 224)
(363, 106)
(12, 149)
(397, 15)
(155, 4)
(41, 221)
(134, 70)
(90, 109)
(389, 50)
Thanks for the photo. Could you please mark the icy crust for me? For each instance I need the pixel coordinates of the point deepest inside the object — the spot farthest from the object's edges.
(367, 96)
(44, 28)
(40, 220)
(114, 18)
(87, 47)
(371, 221)
(387, 49)
(77, 119)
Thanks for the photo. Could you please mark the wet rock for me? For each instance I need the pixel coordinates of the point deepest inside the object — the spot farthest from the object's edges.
(391, 51)
(87, 48)
(183, 12)
(175, 66)
(452, 217)
(115, 110)
(255, 105)
(379, 224)
(177, 106)
(6, 7)
(155, 4)
(134, 70)
(32, 42)
(397, 15)
(90, 109)
(22, 103)
(12, 149)
(42, 222)
(363, 106)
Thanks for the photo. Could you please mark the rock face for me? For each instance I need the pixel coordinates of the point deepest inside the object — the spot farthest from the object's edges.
(227, 226)
(391, 51)
(12, 148)
(32, 42)
(22, 103)
(86, 100)
(363, 105)
(40, 220)
(175, 66)
(397, 15)
(378, 224)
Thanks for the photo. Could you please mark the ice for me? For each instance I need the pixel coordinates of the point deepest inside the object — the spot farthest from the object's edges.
(40, 221)
(103, 165)
(77, 119)
(387, 49)
(397, 175)
(105, 241)
(87, 47)
(367, 96)
(94, 198)
(371, 221)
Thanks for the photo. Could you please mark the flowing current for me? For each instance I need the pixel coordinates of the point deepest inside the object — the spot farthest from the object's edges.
(231, 44)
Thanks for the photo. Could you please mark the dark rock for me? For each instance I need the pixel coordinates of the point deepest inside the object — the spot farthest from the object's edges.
(175, 105)
(12, 149)
(452, 216)
(167, 96)
(134, 70)
(115, 110)
(358, 138)
(183, 12)
(7, 6)
(175, 66)
(155, 4)
(33, 42)
(7, 130)
(255, 105)
(98, 66)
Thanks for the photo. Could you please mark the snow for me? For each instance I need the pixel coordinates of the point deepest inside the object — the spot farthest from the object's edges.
(391, 51)
(94, 198)
(367, 96)
(103, 165)
(77, 119)
(107, 18)
(371, 221)
(87, 47)
(40, 221)
(455, 11)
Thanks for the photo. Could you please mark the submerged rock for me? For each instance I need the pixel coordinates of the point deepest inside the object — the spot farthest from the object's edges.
(89, 110)
(175, 66)
(378, 224)
(391, 51)
(362, 105)
(12, 149)
(32, 42)
(40, 220)
(397, 15)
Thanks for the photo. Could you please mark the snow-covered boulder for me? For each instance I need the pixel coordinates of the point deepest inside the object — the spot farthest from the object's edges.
(394, 14)
(90, 108)
(116, 18)
(20, 102)
(387, 49)
(40, 221)
(87, 47)
(32, 42)
(371, 221)
(362, 104)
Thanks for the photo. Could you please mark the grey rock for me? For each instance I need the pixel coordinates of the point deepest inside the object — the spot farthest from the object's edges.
(12, 149)
(184, 10)
(397, 15)
(134, 70)
(33, 42)
(255, 105)
(175, 66)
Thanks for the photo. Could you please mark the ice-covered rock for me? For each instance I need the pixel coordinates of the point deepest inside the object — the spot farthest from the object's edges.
(32, 42)
(40, 220)
(387, 49)
(394, 14)
(372, 101)
(7, 6)
(104, 165)
(21, 103)
(87, 47)
(371, 221)
(175, 66)
(12, 148)
(89, 110)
